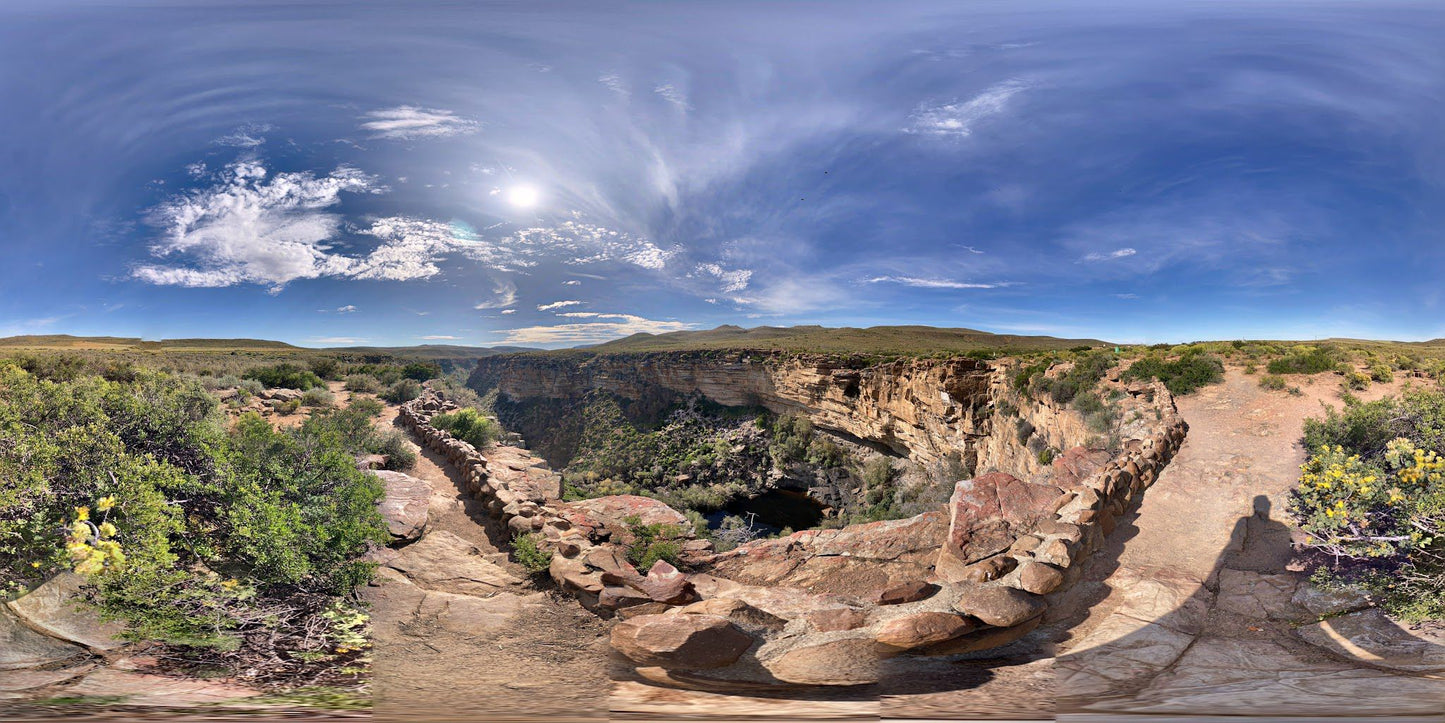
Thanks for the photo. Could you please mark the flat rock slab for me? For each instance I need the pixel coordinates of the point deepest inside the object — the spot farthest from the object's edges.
(1220, 676)
(404, 506)
(447, 563)
(156, 690)
(611, 511)
(1372, 637)
(468, 615)
(57, 609)
(1257, 595)
(12, 681)
(21, 647)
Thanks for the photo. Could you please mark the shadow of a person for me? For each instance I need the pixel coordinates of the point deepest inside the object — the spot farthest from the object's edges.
(1238, 643)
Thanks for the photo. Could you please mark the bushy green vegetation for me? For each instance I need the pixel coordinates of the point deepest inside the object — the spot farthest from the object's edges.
(402, 392)
(239, 546)
(1372, 495)
(284, 376)
(1308, 360)
(1185, 374)
(469, 425)
(530, 555)
(651, 543)
(363, 383)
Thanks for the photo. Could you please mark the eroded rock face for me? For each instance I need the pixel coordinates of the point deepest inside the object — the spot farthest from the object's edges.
(850, 661)
(986, 513)
(999, 605)
(683, 642)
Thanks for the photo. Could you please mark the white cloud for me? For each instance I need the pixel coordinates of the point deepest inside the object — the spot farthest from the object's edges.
(572, 282)
(504, 294)
(247, 136)
(733, 280)
(1110, 256)
(671, 94)
(1126, 297)
(920, 283)
(251, 228)
(407, 123)
(615, 326)
(440, 337)
(614, 83)
(509, 311)
(958, 119)
(558, 305)
(349, 308)
(337, 340)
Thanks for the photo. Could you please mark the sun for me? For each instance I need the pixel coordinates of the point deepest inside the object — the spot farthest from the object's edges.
(523, 196)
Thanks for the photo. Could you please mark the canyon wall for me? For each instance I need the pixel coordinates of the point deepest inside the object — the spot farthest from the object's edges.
(921, 409)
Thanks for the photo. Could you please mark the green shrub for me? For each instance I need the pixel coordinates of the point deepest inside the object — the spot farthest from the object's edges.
(421, 371)
(393, 445)
(529, 554)
(237, 538)
(364, 383)
(1356, 381)
(317, 397)
(1185, 375)
(325, 367)
(403, 391)
(1273, 382)
(651, 543)
(1381, 373)
(1307, 360)
(284, 376)
(366, 406)
(468, 425)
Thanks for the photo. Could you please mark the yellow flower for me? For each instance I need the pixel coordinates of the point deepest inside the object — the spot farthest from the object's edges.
(82, 513)
(107, 529)
(105, 503)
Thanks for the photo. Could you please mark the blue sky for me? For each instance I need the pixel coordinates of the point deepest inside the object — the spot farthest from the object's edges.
(562, 173)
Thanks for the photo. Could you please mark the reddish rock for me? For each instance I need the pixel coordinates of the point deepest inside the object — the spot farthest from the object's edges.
(986, 514)
(922, 629)
(835, 619)
(991, 569)
(999, 605)
(851, 661)
(686, 642)
(614, 598)
(736, 611)
(907, 593)
(1040, 578)
(612, 511)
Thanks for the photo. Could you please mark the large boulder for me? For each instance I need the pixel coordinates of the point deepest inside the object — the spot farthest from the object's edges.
(921, 630)
(404, 506)
(850, 661)
(21, 647)
(613, 511)
(686, 642)
(999, 605)
(57, 608)
(986, 514)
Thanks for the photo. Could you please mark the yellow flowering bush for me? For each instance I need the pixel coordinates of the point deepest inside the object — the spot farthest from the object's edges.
(1359, 509)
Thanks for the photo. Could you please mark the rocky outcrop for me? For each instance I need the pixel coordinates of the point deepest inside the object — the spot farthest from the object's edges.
(403, 505)
(839, 603)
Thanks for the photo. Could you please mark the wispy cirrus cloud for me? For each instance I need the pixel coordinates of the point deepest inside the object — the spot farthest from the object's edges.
(1122, 253)
(248, 135)
(439, 337)
(957, 119)
(923, 283)
(605, 328)
(409, 123)
(504, 294)
(558, 305)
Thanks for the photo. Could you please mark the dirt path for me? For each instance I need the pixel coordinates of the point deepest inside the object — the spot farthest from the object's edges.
(1188, 609)
(461, 635)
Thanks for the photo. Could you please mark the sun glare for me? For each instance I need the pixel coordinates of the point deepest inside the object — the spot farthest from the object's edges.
(523, 196)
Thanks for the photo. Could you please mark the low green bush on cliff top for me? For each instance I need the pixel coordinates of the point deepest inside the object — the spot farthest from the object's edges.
(207, 539)
(468, 425)
(1184, 375)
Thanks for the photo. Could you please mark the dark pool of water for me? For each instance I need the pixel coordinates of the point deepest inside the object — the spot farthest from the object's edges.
(774, 510)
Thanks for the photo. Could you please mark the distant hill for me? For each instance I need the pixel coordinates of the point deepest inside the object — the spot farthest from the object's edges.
(118, 343)
(66, 342)
(872, 340)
